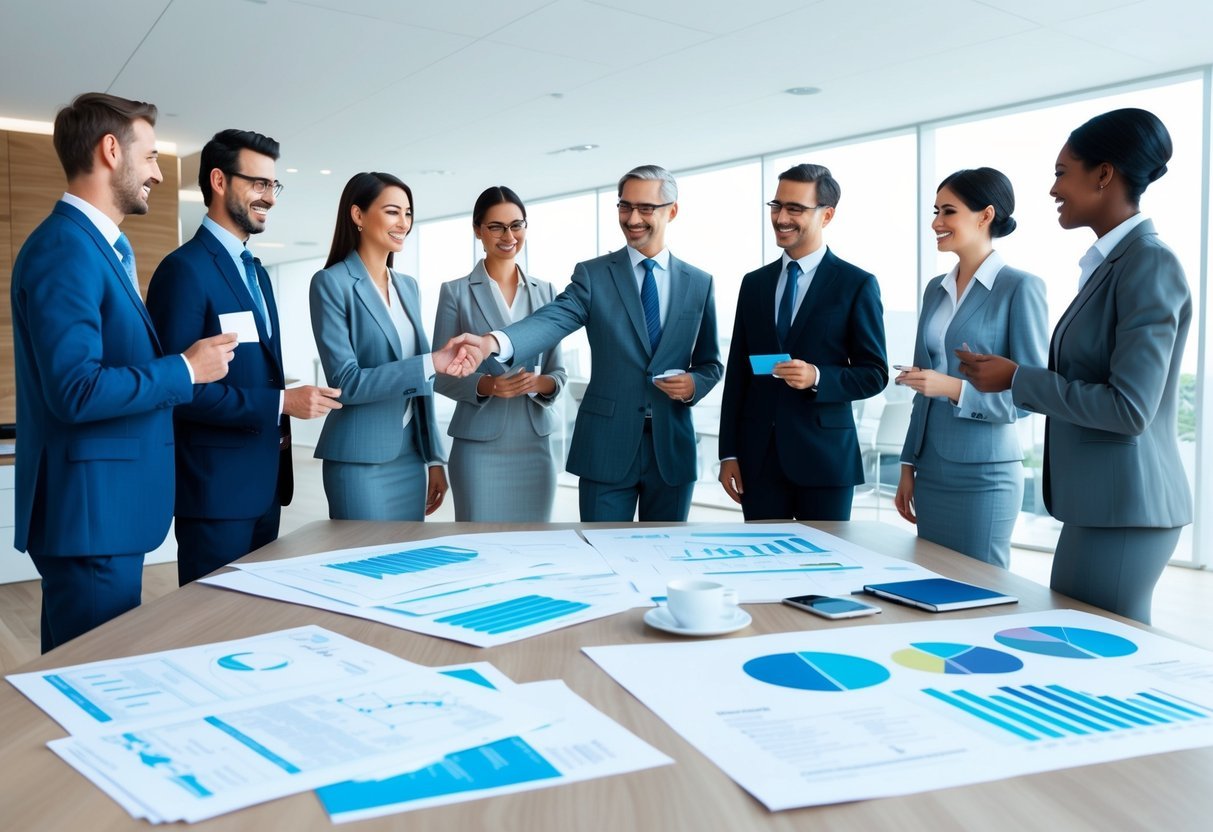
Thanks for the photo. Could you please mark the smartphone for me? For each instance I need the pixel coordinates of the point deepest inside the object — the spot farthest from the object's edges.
(828, 607)
(903, 367)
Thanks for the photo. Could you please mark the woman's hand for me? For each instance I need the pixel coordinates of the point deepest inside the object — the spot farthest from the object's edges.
(930, 383)
(904, 499)
(436, 489)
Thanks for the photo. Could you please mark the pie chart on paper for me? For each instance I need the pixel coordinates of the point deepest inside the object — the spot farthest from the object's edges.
(832, 672)
(1066, 642)
(945, 657)
(253, 661)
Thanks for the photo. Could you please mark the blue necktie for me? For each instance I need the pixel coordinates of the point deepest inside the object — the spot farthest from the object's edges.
(123, 247)
(787, 304)
(254, 288)
(648, 299)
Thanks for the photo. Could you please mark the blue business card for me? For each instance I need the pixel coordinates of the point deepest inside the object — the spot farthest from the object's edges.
(764, 365)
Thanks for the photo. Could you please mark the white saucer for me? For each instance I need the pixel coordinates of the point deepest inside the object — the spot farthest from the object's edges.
(660, 618)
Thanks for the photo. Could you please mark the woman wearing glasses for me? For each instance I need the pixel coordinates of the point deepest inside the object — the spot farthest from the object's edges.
(502, 467)
(1112, 470)
(962, 467)
(382, 452)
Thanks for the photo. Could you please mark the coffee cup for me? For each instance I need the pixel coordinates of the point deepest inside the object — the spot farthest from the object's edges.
(699, 605)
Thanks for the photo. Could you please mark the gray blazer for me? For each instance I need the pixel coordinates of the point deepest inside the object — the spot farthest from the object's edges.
(468, 305)
(1111, 393)
(1011, 320)
(361, 354)
(603, 297)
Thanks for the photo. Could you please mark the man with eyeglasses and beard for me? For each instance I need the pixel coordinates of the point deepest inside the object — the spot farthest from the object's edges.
(233, 440)
(651, 322)
(788, 445)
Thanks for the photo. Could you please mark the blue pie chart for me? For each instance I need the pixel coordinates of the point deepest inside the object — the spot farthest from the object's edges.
(830, 672)
(253, 661)
(1066, 642)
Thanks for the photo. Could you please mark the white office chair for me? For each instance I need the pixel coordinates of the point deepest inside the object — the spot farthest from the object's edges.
(889, 439)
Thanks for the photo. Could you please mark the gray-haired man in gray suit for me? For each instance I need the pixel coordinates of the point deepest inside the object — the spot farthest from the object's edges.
(646, 313)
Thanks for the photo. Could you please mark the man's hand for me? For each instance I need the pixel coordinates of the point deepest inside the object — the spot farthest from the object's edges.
(988, 373)
(209, 357)
(730, 478)
(680, 388)
(308, 402)
(436, 489)
(796, 373)
(461, 355)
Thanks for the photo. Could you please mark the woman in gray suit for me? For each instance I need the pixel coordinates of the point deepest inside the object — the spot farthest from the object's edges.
(502, 468)
(1112, 470)
(382, 454)
(962, 467)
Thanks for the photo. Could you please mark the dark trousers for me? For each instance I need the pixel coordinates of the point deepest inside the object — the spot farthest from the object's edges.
(616, 502)
(204, 545)
(772, 496)
(80, 593)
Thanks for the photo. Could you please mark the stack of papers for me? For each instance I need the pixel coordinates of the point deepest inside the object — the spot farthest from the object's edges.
(490, 589)
(192, 733)
(484, 590)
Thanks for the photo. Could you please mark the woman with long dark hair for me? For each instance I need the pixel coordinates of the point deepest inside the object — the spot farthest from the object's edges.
(1112, 472)
(383, 458)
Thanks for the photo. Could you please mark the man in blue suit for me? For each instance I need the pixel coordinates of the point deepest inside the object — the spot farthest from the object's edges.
(645, 313)
(788, 446)
(234, 439)
(94, 387)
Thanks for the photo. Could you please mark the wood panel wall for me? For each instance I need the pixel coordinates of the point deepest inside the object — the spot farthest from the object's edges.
(31, 181)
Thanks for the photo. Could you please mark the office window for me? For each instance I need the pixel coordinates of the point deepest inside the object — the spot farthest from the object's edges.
(1024, 146)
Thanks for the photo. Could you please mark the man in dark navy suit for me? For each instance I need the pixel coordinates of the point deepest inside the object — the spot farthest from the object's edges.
(788, 446)
(95, 389)
(233, 440)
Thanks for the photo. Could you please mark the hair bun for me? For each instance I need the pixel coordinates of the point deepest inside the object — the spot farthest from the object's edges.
(1002, 226)
(1157, 173)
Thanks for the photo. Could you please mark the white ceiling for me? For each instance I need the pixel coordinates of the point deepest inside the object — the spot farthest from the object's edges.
(487, 90)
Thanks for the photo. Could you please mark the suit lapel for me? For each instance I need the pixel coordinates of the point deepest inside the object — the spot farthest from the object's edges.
(274, 345)
(412, 310)
(372, 301)
(234, 280)
(624, 275)
(1093, 283)
(107, 252)
(482, 295)
(930, 303)
(680, 286)
(821, 287)
(977, 297)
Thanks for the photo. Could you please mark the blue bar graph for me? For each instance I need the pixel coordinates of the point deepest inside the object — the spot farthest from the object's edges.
(1039, 712)
(402, 563)
(728, 549)
(513, 614)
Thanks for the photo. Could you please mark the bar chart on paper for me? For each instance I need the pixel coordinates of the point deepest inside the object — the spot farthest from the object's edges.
(514, 614)
(1051, 711)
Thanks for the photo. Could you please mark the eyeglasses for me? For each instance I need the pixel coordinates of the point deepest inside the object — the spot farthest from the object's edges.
(497, 229)
(646, 209)
(794, 209)
(260, 185)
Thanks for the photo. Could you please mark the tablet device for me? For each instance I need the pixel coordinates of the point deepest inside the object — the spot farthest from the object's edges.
(764, 365)
(939, 594)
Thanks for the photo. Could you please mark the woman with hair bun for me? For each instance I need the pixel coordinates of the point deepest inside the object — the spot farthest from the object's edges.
(1112, 472)
(502, 465)
(962, 466)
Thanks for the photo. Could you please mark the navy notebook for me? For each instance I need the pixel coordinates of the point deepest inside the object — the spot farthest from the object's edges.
(939, 594)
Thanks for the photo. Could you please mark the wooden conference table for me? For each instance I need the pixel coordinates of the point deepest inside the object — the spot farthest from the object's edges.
(38, 791)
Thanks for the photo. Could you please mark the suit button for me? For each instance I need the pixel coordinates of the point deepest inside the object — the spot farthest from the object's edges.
(410, 391)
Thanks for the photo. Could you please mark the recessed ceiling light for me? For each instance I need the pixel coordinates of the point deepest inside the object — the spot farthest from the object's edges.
(325, 171)
(305, 242)
(263, 244)
(292, 170)
(437, 172)
(576, 148)
(803, 90)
